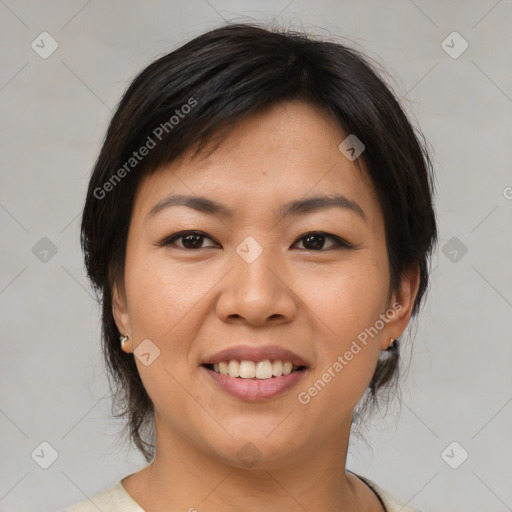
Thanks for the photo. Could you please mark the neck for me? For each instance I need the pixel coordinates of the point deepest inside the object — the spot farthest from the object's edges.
(182, 477)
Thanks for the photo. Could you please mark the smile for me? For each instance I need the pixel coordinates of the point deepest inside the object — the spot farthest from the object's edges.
(251, 387)
(266, 369)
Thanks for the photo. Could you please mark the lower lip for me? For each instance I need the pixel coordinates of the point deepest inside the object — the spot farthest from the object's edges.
(255, 389)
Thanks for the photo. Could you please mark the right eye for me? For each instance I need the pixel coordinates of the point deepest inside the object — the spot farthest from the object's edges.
(191, 240)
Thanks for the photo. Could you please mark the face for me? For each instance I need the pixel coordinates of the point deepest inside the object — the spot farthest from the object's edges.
(260, 277)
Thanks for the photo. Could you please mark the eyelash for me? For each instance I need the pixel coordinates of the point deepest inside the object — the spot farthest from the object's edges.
(340, 243)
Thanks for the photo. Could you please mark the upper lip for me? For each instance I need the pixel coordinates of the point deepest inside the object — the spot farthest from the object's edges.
(251, 353)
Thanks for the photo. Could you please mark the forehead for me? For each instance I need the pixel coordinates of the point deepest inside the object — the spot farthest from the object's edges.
(286, 152)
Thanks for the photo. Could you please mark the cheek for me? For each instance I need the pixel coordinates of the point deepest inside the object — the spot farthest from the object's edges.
(346, 305)
(161, 294)
(164, 303)
(347, 299)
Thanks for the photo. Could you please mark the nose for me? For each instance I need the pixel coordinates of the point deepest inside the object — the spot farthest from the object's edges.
(257, 292)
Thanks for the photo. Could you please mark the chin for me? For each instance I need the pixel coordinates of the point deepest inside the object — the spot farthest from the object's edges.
(257, 452)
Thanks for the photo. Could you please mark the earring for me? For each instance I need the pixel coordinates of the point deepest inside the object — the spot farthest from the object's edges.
(392, 345)
(123, 339)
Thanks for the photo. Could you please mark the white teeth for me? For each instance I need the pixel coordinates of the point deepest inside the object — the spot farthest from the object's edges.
(264, 369)
(223, 368)
(234, 369)
(277, 368)
(249, 369)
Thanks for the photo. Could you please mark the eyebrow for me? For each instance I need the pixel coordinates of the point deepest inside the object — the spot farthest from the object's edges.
(297, 207)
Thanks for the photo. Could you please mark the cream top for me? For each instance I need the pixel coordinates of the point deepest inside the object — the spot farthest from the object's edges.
(116, 499)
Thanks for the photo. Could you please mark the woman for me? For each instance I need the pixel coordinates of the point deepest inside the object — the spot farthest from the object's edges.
(258, 225)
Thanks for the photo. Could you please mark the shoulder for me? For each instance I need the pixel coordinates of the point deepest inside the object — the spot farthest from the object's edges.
(112, 499)
(390, 503)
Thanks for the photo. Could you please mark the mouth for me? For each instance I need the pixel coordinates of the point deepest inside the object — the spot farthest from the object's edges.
(253, 381)
(255, 373)
(254, 370)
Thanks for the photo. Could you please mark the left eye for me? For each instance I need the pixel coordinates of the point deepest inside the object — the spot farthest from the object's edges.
(316, 240)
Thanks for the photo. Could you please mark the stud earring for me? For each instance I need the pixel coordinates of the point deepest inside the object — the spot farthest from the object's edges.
(123, 339)
(393, 345)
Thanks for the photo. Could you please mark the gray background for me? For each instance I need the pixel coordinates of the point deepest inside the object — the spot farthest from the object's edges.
(54, 115)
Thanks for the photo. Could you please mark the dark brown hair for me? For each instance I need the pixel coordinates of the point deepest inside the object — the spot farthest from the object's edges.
(187, 97)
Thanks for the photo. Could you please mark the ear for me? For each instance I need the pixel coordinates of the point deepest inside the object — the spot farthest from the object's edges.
(402, 303)
(121, 316)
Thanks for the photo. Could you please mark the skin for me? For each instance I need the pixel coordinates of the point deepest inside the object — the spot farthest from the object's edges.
(311, 299)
